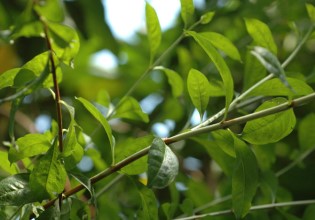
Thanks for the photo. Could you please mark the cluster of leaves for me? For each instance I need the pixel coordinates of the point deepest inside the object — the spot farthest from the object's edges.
(42, 173)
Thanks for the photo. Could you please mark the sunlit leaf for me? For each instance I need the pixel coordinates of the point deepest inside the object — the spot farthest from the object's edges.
(244, 180)
(129, 108)
(51, 10)
(175, 81)
(5, 164)
(275, 87)
(48, 177)
(153, 30)
(130, 146)
(162, 164)
(99, 117)
(28, 146)
(31, 29)
(187, 11)
(271, 128)
(311, 12)
(207, 17)
(149, 209)
(197, 85)
(306, 132)
(261, 34)
(15, 190)
(222, 43)
(220, 65)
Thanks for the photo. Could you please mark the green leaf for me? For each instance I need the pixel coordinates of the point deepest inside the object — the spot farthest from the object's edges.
(15, 190)
(31, 29)
(311, 12)
(187, 207)
(245, 178)
(28, 146)
(187, 11)
(271, 63)
(149, 204)
(84, 180)
(225, 141)
(271, 128)
(269, 185)
(129, 108)
(222, 43)
(65, 41)
(254, 70)
(265, 155)
(153, 30)
(306, 132)
(51, 10)
(216, 88)
(162, 164)
(309, 212)
(261, 34)
(129, 147)
(48, 177)
(198, 89)
(220, 65)
(224, 160)
(5, 164)
(275, 87)
(174, 79)
(207, 17)
(99, 117)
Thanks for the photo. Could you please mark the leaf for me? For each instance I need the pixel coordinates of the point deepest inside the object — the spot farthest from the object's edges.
(174, 79)
(207, 17)
(271, 63)
(48, 177)
(187, 11)
(100, 118)
(309, 212)
(306, 132)
(65, 41)
(5, 164)
(311, 12)
(225, 141)
(149, 205)
(129, 147)
(197, 85)
(162, 165)
(275, 87)
(84, 180)
(129, 108)
(271, 128)
(15, 190)
(222, 43)
(153, 30)
(28, 146)
(216, 88)
(269, 185)
(30, 29)
(51, 10)
(261, 34)
(244, 180)
(265, 155)
(220, 65)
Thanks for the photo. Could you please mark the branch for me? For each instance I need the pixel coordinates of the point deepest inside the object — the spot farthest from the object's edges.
(188, 134)
(253, 208)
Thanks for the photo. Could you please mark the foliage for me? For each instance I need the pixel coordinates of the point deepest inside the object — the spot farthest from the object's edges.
(103, 157)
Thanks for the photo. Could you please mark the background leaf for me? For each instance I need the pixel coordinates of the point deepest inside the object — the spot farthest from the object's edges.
(149, 209)
(187, 11)
(153, 29)
(306, 132)
(244, 180)
(271, 128)
(197, 85)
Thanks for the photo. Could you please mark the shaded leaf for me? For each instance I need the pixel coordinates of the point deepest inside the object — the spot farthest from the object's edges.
(100, 118)
(174, 79)
(269, 185)
(162, 164)
(129, 108)
(130, 146)
(31, 29)
(197, 85)
(306, 132)
(225, 141)
(244, 180)
(222, 43)
(84, 180)
(28, 146)
(48, 177)
(216, 88)
(309, 212)
(311, 12)
(153, 30)
(261, 34)
(15, 190)
(207, 17)
(271, 128)
(187, 11)
(220, 65)
(51, 10)
(149, 209)
(275, 87)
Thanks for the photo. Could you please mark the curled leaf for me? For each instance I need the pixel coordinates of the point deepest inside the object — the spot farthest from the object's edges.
(162, 164)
